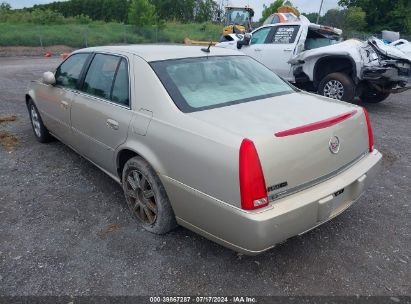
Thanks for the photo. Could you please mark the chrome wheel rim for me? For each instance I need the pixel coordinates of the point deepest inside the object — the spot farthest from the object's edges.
(140, 197)
(334, 89)
(35, 120)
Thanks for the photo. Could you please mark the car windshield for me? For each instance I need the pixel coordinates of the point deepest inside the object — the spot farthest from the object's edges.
(209, 82)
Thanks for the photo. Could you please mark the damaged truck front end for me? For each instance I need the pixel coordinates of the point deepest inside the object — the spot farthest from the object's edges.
(386, 69)
(369, 70)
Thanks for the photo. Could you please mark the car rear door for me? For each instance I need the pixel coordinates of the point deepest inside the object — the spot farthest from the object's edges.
(101, 112)
(279, 48)
(54, 101)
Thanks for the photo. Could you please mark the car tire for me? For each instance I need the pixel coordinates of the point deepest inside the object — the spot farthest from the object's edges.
(371, 95)
(39, 129)
(146, 197)
(337, 86)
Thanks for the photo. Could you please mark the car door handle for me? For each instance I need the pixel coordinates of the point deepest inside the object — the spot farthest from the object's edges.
(257, 50)
(288, 50)
(112, 124)
(64, 104)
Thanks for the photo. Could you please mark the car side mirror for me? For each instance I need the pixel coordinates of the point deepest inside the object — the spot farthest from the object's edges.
(245, 41)
(48, 78)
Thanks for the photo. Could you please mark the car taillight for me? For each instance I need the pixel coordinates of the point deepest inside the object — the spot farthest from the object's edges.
(370, 135)
(252, 184)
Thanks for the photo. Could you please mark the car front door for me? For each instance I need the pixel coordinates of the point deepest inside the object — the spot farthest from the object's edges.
(54, 101)
(279, 48)
(101, 112)
(258, 38)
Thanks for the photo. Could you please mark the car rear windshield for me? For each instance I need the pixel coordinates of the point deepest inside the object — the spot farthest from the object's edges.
(202, 83)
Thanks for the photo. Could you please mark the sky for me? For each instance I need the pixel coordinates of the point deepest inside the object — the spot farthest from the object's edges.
(305, 6)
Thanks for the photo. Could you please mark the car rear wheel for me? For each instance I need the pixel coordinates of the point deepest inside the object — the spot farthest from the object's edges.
(40, 131)
(337, 86)
(371, 95)
(146, 197)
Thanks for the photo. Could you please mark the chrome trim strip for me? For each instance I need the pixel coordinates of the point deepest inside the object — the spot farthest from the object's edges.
(282, 194)
(89, 96)
(76, 91)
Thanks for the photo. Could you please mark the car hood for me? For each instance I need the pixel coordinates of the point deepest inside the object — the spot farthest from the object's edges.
(388, 50)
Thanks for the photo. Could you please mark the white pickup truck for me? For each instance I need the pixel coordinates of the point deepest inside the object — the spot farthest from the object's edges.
(314, 57)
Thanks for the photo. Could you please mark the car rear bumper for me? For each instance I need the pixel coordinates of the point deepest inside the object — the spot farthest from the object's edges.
(255, 232)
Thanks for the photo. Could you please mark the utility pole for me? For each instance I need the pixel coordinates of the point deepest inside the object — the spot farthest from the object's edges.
(319, 12)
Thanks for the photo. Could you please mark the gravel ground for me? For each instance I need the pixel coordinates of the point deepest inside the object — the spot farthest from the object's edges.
(65, 228)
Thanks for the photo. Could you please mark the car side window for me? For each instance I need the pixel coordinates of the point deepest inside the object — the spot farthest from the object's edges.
(68, 73)
(260, 36)
(120, 91)
(100, 75)
(285, 34)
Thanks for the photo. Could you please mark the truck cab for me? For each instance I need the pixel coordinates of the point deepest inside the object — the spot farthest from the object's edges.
(313, 57)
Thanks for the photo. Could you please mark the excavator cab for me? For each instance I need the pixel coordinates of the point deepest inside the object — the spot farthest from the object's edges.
(238, 20)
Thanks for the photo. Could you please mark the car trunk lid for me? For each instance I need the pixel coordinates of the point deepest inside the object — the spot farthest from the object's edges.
(293, 135)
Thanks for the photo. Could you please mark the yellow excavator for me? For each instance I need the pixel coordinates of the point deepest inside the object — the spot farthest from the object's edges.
(237, 19)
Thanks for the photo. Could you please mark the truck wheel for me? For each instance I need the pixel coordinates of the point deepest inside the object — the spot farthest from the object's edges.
(371, 95)
(337, 86)
(146, 197)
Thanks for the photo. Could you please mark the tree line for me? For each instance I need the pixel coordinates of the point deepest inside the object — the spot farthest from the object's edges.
(360, 15)
(353, 15)
(138, 12)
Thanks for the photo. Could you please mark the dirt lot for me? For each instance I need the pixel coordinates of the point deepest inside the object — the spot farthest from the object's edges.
(65, 227)
(55, 50)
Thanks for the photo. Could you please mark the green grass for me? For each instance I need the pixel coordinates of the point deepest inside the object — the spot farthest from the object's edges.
(100, 33)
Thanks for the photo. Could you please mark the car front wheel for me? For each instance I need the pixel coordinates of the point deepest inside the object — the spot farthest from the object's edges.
(337, 86)
(146, 197)
(40, 131)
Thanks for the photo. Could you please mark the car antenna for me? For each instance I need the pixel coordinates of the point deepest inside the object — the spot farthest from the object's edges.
(207, 50)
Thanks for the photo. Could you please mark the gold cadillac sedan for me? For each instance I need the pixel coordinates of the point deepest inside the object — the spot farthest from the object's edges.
(208, 139)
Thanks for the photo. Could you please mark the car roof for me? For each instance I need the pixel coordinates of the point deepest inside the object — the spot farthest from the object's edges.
(155, 52)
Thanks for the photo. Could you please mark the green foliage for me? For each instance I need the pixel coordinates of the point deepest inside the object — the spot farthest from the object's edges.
(118, 10)
(354, 19)
(4, 6)
(4, 11)
(311, 16)
(188, 10)
(206, 10)
(384, 14)
(35, 16)
(79, 19)
(334, 17)
(182, 10)
(102, 33)
(46, 17)
(142, 13)
(271, 9)
(106, 10)
(400, 16)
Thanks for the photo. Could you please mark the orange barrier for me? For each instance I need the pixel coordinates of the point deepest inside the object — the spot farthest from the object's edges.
(64, 55)
(47, 54)
(188, 41)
